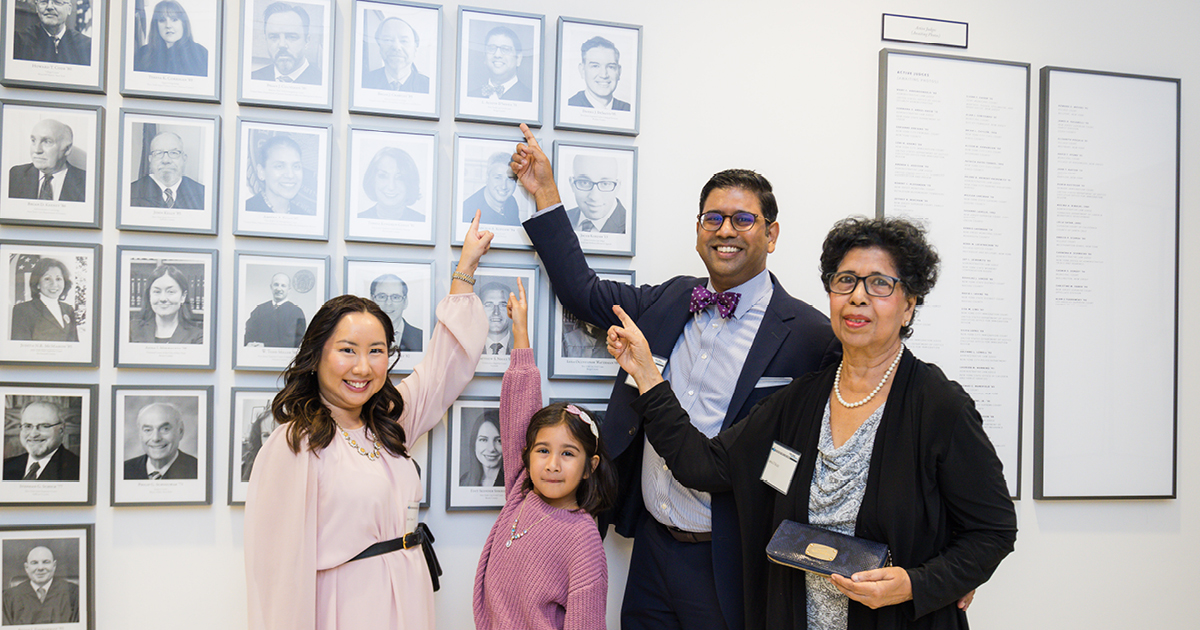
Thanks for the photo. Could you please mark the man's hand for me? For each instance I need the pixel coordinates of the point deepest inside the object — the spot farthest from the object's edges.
(533, 170)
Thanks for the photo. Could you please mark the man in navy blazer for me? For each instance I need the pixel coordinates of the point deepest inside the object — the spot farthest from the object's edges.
(41, 432)
(48, 175)
(166, 161)
(779, 337)
(286, 28)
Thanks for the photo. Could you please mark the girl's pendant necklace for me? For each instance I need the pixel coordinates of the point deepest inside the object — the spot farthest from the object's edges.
(514, 534)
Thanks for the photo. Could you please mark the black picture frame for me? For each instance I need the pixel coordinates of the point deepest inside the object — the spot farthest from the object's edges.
(466, 415)
(181, 279)
(30, 59)
(593, 91)
(189, 67)
(72, 548)
(521, 101)
(409, 32)
(158, 409)
(196, 198)
(69, 476)
(39, 341)
(313, 87)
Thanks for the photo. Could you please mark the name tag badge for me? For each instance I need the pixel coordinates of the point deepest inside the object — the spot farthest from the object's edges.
(410, 517)
(780, 468)
(662, 367)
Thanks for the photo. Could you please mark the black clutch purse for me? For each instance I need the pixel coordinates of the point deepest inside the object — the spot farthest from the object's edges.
(825, 552)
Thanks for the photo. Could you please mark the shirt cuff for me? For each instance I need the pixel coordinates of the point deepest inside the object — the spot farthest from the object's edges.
(538, 213)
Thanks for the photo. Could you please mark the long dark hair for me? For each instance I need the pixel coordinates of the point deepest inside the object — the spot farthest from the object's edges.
(299, 405)
(597, 490)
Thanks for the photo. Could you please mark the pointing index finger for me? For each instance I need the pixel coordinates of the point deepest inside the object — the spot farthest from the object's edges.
(622, 315)
(529, 139)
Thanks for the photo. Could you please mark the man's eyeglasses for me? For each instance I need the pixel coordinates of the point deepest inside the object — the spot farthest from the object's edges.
(174, 154)
(493, 49)
(583, 184)
(742, 221)
(39, 427)
(876, 284)
(386, 297)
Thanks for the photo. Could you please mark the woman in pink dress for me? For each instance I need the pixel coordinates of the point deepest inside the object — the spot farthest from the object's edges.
(336, 478)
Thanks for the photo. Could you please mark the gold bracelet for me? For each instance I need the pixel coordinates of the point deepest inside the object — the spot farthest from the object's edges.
(458, 275)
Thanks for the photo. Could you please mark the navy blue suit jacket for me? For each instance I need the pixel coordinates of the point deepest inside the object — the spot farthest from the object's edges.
(793, 339)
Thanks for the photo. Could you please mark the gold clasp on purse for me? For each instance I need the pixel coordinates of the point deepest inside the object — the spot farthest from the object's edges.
(821, 552)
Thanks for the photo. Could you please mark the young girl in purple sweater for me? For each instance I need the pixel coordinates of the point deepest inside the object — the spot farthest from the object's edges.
(543, 565)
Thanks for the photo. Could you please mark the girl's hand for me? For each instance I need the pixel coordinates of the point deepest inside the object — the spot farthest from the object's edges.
(629, 347)
(518, 312)
(475, 245)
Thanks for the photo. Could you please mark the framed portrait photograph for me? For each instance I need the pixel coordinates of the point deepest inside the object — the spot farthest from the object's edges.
(169, 172)
(391, 186)
(49, 444)
(474, 459)
(49, 314)
(162, 445)
(251, 423)
(287, 54)
(484, 182)
(578, 349)
(50, 164)
(493, 283)
(393, 41)
(283, 180)
(404, 290)
(55, 44)
(172, 49)
(166, 308)
(602, 199)
(48, 572)
(276, 296)
(599, 77)
(499, 66)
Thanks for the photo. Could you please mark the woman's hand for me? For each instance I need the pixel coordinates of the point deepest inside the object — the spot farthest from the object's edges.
(533, 170)
(518, 312)
(876, 588)
(629, 347)
(475, 245)
(966, 600)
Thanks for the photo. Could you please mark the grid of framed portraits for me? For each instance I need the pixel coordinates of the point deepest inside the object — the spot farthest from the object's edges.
(49, 315)
(162, 445)
(578, 349)
(493, 284)
(57, 561)
(167, 306)
(169, 172)
(276, 296)
(172, 49)
(49, 444)
(474, 459)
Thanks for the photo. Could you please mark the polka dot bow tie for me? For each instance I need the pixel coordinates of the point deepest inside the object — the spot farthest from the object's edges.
(726, 301)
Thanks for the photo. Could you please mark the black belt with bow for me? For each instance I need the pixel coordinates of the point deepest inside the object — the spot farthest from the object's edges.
(422, 537)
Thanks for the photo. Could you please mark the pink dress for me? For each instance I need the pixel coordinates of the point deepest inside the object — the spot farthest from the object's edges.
(307, 514)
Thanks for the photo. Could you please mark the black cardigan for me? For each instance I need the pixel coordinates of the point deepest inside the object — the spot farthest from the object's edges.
(935, 491)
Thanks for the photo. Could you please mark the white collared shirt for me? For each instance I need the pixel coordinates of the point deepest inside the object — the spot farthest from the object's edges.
(150, 469)
(294, 74)
(55, 307)
(597, 103)
(598, 223)
(56, 182)
(174, 189)
(507, 85)
(41, 463)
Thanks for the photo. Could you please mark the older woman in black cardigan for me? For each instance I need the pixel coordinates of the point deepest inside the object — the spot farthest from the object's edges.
(889, 450)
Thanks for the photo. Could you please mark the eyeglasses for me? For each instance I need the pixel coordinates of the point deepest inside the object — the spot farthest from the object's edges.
(876, 284)
(493, 49)
(583, 184)
(742, 221)
(39, 427)
(174, 154)
(385, 297)
(58, 4)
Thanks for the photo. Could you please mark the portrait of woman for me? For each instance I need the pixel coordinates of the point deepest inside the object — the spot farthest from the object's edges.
(170, 48)
(260, 430)
(890, 450)
(46, 317)
(394, 184)
(166, 315)
(486, 467)
(281, 173)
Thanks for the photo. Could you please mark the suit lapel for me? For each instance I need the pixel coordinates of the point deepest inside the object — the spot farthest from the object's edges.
(772, 333)
(44, 313)
(671, 321)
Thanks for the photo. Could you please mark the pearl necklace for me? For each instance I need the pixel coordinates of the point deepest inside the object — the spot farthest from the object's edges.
(371, 456)
(514, 535)
(837, 378)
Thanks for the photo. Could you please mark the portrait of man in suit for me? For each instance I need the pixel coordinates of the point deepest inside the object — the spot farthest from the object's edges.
(48, 175)
(45, 458)
(161, 426)
(494, 296)
(285, 26)
(595, 183)
(391, 294)
(398, 43)
(51, 38)
(165, 185)
(278, 322)
(502, 57)
(600, 69)
(495, 200)
(583, 340)
(42, 599)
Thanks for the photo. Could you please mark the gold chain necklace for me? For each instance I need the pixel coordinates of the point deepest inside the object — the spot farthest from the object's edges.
(372, 455)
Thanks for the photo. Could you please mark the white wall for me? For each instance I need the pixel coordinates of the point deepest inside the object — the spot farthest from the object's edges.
(788, 87)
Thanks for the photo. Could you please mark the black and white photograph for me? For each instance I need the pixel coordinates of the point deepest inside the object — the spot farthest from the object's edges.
(391, 186)
(474, 459)
(55, 44)
(283, 180)
(598, 185)
(168, 173)
(578, 349)
(499, 66)
(172, 49)
(47, 575)
(493, 284)
(276, 298)
(287, 54)
(404, 290)
(167, 308)
(162, 445)
(396, 67)
(50, 164)
(49, 444)
(599, 76)
(251, 423)
(484, 183)
(49, 316)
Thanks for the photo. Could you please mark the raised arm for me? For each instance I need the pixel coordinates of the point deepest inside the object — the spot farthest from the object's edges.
(520, 392)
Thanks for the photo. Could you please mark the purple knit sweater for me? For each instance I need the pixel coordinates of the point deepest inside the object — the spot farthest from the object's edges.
(556, 575)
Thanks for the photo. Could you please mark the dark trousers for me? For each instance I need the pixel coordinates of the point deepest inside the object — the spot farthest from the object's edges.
(670, 583)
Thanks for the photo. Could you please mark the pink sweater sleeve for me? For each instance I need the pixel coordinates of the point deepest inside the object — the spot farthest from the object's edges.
(520, 398)
(587, 585)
